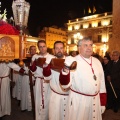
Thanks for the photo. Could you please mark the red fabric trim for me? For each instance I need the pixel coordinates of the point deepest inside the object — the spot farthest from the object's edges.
(103, 99)
(83, 93)
(6, 28)
(64, 79)
(33, 67)
(21, 70)
(59, 93)
(47, 71)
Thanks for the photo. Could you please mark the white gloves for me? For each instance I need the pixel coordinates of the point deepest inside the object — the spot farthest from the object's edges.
(102, 109)
(48, 59)
(69, 60)
(33, 58)
(26, 70)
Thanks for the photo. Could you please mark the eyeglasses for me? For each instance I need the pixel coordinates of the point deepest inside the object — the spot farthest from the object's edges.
(114, 55)
(42, 47)
(105, 59)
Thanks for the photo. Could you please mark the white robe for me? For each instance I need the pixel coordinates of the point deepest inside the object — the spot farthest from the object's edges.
(17, 77)
(5, 99)
(42, 91)
(81, 107)
(57, 104)
(25, 92)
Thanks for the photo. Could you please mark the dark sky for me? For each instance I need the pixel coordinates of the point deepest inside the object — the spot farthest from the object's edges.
(54, 12)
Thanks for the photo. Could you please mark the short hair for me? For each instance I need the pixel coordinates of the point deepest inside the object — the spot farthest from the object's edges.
(32, 46)
(117, 52)
(106, 56)
(58, 42)
(84, 39)
(41, 41)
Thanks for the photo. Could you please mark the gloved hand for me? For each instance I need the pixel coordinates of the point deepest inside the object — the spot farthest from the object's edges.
(48, 59)
(26, 70)
(21, 71)
(70, 62)
(102, 109)
(33, 58)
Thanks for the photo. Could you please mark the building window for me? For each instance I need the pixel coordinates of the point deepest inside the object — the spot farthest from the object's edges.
(110, 22)
(81, 27)
(72, 41)
(99, 38)
(72, 27)
(90, 25)
(110, 36)
(99, 23)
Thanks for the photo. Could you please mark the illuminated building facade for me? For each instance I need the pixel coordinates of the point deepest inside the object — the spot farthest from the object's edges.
(98, 27)
(52, 34)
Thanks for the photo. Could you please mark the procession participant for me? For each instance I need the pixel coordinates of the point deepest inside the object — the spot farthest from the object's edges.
(25, 86)
(42, 87)
(114, 80)
(73, 53)
(58, 96)
(32, 50)
(5, 99)
(106, 67)
(87, 97)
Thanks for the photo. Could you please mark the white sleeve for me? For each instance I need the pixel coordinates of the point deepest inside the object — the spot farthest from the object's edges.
(14, 66)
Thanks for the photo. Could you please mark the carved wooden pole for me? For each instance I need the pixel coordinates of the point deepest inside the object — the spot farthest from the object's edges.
(22, 49)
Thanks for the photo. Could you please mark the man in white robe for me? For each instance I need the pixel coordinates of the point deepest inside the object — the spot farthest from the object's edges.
(87, 97)
(25, 86)
(5, 99)
(42, 86)
(58, 96)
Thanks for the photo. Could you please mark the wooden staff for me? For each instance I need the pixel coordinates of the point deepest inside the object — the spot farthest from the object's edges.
(113, 89)
(12, 83)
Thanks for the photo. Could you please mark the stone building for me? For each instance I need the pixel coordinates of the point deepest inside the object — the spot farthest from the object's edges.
(31, 41)
(52, 34)
(98, 27)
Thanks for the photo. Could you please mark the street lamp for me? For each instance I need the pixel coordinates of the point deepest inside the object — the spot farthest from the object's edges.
(21, 13)
(77, 37)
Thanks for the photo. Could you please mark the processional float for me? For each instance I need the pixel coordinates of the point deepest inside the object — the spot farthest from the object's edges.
(12, 41)
(12, 38)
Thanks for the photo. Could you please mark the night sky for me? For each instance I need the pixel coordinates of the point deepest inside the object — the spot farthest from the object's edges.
(54, 12)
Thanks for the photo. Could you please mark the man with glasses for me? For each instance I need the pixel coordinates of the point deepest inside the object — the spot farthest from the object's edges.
(42, 87)
(25, 85)
(114, 78)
